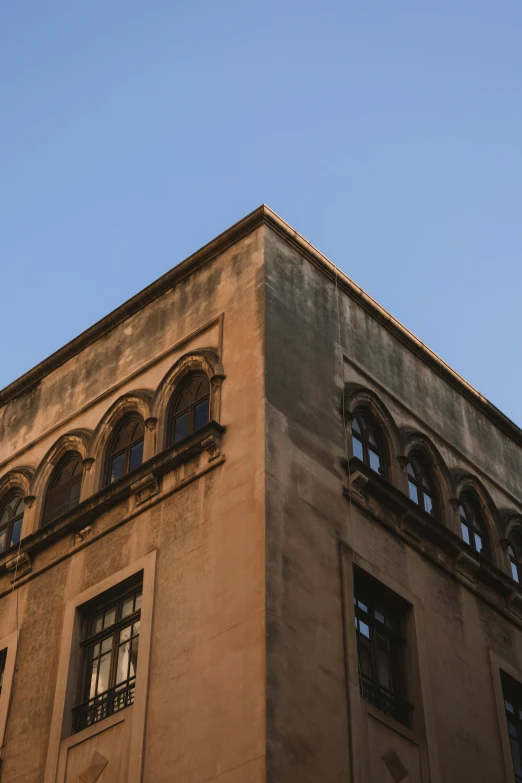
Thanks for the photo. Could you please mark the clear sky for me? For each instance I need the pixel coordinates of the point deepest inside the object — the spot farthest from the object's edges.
(388, 133)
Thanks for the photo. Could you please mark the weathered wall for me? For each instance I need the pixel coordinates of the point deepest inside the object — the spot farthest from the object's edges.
(308, 730)
(205, 711)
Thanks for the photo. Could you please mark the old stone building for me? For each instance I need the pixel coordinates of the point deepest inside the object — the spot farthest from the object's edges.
(306, 521)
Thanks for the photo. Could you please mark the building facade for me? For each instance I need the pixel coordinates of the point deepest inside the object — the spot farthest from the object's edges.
(252, 529)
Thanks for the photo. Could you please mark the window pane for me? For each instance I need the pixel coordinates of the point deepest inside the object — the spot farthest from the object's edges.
(478, 542)
(414, 494)
(125, 634)
(74, 492)
(136, 628)
(515, 752)
(2, 540)
(123, 663)
(181, 427)
(136, 455)
(110, 617)
(200, 414)
(375, 461)
(128, 606)
(106, 645)
(4, 519)
(117, 467)
(357, 448)
(428, 503)
(514, 571)
(97, 624)
(138, 602)
(16, 530)
(355, 426)
(465, 532)
(364, 629)
(103, 677)
(90, 679)
(134, 656)
(383, 668)
(410, 470)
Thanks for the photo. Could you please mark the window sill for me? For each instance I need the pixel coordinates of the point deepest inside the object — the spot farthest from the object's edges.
(142, 483)
(392, 724)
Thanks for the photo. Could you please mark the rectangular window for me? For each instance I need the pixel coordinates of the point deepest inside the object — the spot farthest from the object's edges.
(379, 626)
(109, 649)
(512, 692)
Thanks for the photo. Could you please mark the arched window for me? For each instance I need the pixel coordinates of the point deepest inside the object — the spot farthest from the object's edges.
(126, 450)
(514, 551)
(190, 408)
(366, 444)
(471, 525)
(11, 517)
(63, 492)
(419, 484)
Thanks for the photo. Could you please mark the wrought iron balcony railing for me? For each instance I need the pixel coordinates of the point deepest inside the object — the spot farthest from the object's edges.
(100, 707)
(385, 700)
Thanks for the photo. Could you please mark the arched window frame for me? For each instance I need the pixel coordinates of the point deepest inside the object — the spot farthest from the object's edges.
(132, 451)
(195, 413)
(202, 360)
(421, 484)
(367, 441)
(473, 526)
(70, 488)
(12, 510)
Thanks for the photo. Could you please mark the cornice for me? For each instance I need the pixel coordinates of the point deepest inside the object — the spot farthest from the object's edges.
(263, 215)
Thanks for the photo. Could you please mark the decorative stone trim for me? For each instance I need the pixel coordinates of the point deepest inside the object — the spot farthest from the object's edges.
(145, 488)
(19, 566)
(212, 444)
(83, 515)
(81, 535)
(467, 565)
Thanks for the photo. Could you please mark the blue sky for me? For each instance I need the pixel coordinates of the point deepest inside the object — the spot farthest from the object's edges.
(388, 133)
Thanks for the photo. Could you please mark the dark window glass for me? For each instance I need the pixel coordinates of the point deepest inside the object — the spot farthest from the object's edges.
(514, 551)
(190, 408)
(365, 443)
(11, 518)
(379, 620)
(64, 490)
(126, 450)
(3, 659)
(471, 525)
(512, 691)
(419, 485)
(110, 659)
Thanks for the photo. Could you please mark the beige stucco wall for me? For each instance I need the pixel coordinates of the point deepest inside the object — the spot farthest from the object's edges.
(205, 714)
(317, 340)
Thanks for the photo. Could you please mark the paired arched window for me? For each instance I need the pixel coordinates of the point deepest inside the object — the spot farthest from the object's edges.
(126, 448)
(190, 408)
(11, 518)
(366, 443)
(64, 488)
(472, 526)
(420, 486)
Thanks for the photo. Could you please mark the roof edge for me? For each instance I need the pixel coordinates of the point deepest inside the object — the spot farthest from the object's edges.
(147, 295)
(261, 215)
(391, 323)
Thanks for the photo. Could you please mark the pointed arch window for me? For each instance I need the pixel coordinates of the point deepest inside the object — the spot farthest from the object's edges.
(11, 518)
(419, 484)
(366, 444)
(472, 526)
(514, 550)
(64, 489)
(190, 408)
(126, 450)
